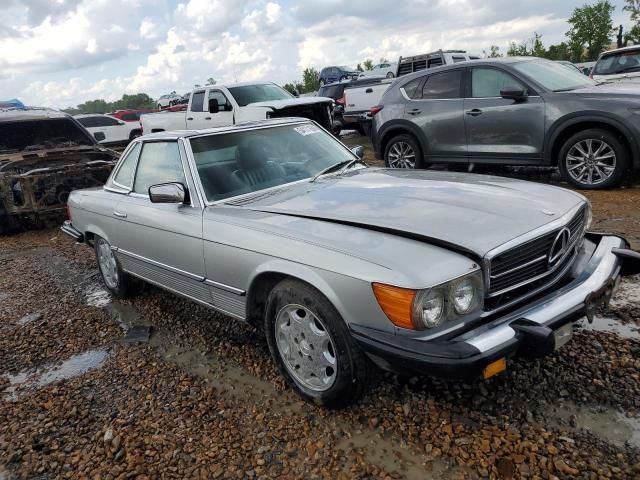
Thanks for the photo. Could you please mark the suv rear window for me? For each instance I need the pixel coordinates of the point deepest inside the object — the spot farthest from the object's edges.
(618, 62)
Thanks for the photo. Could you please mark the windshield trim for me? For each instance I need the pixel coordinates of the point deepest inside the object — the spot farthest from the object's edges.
(196, 174)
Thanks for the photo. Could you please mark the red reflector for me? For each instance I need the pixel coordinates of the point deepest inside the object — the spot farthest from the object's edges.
(375, 109)
(342, 100)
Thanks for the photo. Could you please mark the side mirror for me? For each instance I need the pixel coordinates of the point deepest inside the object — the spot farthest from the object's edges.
(214, 107)
(358, 151)
(99, 136)
(228, 107)
(513, 93)
(296, 93)
(121, 123)
(168, 193)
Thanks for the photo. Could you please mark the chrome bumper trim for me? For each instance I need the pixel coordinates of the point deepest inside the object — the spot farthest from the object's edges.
(70, 230)
(601, 268)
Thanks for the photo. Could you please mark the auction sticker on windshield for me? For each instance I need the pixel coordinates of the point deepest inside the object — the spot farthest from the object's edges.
(305, 130)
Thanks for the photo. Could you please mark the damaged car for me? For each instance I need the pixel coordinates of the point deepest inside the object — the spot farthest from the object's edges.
(44, 155)
(343, 266)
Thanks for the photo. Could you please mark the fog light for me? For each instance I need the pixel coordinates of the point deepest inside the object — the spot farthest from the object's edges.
(495, 368)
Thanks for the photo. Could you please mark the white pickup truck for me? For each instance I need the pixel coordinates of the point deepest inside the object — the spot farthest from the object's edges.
(219, 105)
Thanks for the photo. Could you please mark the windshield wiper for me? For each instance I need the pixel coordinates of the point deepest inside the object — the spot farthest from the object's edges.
(565, 89)
(331, 168)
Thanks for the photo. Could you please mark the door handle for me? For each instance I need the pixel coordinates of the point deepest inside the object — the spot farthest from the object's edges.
(207, 118)
(415, 111)
(369, 90)
(189, 118)
(475, 112)
(120, 215)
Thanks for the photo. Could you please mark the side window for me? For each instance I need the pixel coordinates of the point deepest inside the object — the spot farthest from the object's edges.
(197, 102)
(85, 121)
(105, 121)
(412, 88)
(124, 176)
(130, 117)
(218, 95)
(487, 82)
(442, 85)
(159, 163)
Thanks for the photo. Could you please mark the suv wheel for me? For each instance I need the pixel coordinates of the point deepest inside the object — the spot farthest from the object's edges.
(593, 159)
(389, 75)
(403, 151)
(312, 348)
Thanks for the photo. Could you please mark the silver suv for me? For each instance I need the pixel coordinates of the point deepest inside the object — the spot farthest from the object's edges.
(511, 111)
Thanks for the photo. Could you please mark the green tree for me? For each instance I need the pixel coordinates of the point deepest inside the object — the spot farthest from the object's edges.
(291, 88)
(591, 27)
(138, 100)
(359, 68)
(633, 8)
(310, 80)
(211, 81)
(494, 51)
(537, 49)
(368, 64)
(558, 52)
(518, 49)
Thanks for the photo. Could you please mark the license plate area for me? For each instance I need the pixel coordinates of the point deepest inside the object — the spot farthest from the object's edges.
(562, 335)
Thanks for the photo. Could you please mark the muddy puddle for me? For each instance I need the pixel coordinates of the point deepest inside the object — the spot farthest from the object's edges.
(603, 422)
(395, 457)
(72, 367)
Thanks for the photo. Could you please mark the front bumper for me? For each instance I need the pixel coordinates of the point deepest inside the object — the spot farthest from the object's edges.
(528, 331)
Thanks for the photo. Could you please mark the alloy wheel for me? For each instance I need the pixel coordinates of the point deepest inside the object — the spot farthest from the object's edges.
(591, 161)
(108, 264)
(306, 348)
(402, 155)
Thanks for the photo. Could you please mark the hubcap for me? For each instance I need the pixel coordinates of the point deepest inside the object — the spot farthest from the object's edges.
(401, 155)
(591, 161)
(107, 263)
(305, 347)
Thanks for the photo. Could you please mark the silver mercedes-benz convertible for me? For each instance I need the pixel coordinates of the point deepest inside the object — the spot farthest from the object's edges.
(279, 224)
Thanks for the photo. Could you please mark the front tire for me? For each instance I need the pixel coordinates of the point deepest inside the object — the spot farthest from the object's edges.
(390, 75)
(593, 159)
(116, 280)
(312, 348)
(403, 151)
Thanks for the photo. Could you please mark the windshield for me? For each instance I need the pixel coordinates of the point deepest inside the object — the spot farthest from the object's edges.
(231, 164)
(553, 76)
(42, 134)
(259, 93)
(619, 62)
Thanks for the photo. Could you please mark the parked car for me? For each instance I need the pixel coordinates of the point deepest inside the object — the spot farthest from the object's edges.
(619, 65)
(220, 105)
(387, 70)
(407, 65)
(277, 224)
(130, 115)
(511, 111)
(115, 131)
(353, 114)
(44, 155)
(337, 74)
(168, 100)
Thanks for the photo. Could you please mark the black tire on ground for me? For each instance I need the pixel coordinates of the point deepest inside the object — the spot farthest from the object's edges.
(159, 107)
(353, 370)
(342, 78)
(390, 75)
(123, 281)
(405, 139)
(613, 177)
(135, 134)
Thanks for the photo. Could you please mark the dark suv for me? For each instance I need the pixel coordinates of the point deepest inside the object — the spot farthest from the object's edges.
(337, 74)
(511, 111)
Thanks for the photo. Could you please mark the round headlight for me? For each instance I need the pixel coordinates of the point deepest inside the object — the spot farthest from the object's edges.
(463, 295)
(429, 308)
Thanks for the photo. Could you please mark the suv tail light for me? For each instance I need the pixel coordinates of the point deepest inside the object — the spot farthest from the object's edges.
(375, 109)
(342, 100)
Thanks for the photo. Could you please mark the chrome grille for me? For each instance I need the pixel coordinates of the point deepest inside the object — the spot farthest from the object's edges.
(529, 261)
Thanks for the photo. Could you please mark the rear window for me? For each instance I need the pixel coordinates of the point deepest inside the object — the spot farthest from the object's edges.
(332, 91)
(619, 62)
(42, 134)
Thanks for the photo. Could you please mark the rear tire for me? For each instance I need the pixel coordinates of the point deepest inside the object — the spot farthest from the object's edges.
(593, 159)
(114, 278)
(390, 75)
(312, 348)
(403, 151)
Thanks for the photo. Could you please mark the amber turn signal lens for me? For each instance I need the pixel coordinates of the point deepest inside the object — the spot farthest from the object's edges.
(495, 368)
(396, 303)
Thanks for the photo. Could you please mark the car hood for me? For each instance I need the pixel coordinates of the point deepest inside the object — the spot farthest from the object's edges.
(614, 88)
(469, 213)
(293, 102)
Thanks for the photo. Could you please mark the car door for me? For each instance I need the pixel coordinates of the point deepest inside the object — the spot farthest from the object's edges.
(434, 104)
(158, 241)
(115, 130)
(225, 114)
(198, 116)
(500, 129)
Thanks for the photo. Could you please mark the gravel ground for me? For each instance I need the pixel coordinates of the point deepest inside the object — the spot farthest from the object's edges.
(198, 396)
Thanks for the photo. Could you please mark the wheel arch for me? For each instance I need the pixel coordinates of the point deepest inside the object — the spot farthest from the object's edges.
(91, 231)
(267, 276)
(565, 128)
(400, 127)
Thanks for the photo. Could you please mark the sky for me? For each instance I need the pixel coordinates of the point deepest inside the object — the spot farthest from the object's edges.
(59, 53)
